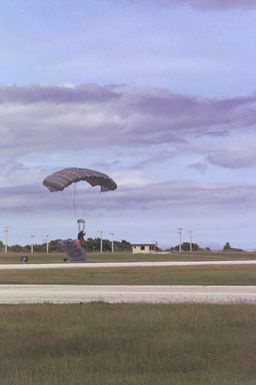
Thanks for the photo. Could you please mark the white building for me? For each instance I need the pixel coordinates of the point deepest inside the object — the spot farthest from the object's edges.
(146, 248)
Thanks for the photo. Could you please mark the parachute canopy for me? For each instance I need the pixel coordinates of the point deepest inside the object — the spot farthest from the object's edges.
(63, 178)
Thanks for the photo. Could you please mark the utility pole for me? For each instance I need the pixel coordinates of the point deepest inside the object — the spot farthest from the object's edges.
(190, 240)
(47, 243)
(32, 243)
(101, 240)
(179, 229)
(112, 243)
(6, 229)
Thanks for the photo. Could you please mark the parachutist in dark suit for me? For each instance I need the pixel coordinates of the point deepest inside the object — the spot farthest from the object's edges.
(80, 237)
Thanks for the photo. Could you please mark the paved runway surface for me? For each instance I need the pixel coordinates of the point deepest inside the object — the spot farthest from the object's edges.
(120, 264)
(18, 294)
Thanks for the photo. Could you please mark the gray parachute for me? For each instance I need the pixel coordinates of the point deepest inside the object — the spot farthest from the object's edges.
(59, 180)
(74, 250)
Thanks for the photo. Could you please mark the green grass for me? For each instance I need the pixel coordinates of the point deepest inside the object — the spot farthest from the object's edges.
(127, 257)
(105, 344)
(174, 275)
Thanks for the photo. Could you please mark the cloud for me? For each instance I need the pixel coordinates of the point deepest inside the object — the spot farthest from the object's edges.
(37, 120)
(55, 94)
(130, 178)
(107, 164)
(154, 159)
(199, 166)
(233, 158)
(207, 4)
(159, 196)
(16, 173)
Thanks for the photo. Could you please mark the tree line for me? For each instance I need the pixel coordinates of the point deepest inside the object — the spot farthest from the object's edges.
(90, 245)
(93, 244)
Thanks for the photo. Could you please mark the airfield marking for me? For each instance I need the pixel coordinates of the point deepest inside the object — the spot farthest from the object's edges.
(22, 294)
(24, 266)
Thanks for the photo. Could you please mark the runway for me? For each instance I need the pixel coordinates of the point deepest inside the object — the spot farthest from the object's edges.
(87, 265)
(67, 294)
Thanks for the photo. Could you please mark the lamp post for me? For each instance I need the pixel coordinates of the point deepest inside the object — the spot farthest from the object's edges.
(112, 243)
(5, 230)
(179, 229)
(101, 240)
(47, 243)
(32, 243)
(190, 240)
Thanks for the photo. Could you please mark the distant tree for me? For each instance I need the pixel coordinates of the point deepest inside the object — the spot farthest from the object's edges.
(227, 247)
(157, 248)
(123, 246)
(54, 246)
(16, 248)
(94, 245)
(185, 246)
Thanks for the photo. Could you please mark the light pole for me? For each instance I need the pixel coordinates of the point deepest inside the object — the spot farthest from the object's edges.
(101, 241)
(112, 243)
(179, 229)
(190, 240)
(47, 243)
(6, 229)
(32, 243)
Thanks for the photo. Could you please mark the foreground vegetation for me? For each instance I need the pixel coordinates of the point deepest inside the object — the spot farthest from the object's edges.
(129, 257)
(174, 275)
(128, 344)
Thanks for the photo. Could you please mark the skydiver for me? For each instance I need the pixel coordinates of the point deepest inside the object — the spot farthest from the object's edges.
(80, 237)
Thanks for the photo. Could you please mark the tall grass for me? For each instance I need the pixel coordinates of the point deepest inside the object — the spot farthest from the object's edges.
(174, 275)
(128, 257)
(128, 344)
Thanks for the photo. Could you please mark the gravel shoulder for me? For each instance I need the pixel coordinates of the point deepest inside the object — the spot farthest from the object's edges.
(94, 265)
(21, 294)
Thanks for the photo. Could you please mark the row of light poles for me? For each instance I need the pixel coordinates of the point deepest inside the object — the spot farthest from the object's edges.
(46, 239)
(33, 236)
(100, 232)
(179, 231)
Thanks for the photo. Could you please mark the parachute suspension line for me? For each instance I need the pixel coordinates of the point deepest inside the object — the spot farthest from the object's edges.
(74, 199)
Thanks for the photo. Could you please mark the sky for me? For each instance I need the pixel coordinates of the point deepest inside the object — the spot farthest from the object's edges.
(157, 94)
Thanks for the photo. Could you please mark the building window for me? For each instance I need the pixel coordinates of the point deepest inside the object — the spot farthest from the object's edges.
(142, 247)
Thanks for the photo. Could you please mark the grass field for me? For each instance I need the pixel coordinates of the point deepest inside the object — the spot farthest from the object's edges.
(128, 344)
(174, 275)
(101, 344)
(128, 257)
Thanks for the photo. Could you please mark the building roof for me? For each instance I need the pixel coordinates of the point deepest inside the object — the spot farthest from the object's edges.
(143, 244)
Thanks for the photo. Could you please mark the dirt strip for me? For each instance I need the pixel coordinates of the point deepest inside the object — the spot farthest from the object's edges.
(21, 294)
(25, 266)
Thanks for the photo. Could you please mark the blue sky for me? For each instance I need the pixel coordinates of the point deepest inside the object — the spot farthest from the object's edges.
(158, 94)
